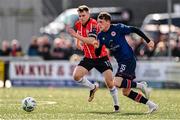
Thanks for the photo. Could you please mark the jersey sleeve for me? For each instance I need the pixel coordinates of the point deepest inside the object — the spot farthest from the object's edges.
(76, 26)
(99, 38)
(98, 50)
(124, 29)
(93, 31)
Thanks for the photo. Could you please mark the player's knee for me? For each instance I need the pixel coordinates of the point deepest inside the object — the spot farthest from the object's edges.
(109, 83)
(110, 86)
(126, 92)
(76, 77)
(116, 84)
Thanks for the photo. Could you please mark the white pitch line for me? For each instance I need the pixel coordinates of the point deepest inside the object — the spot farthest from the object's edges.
(46, 102)
(17, 102)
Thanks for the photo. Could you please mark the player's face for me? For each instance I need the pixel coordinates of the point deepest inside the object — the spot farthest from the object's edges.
(84, 16)
(103, 24)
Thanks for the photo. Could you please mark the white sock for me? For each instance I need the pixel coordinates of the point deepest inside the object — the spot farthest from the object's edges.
(150, 103)
(114, 94)
(139, 85)
(85, 82)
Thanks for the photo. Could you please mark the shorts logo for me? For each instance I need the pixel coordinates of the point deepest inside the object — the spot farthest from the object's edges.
(113, 33)
(122, 68)
(108, 64)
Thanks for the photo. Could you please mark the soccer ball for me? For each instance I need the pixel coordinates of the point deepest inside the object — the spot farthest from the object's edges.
(28, 104)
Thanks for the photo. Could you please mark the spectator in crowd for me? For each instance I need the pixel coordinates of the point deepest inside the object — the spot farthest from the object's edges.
(176, 49)
(16, 49)
(44, 47)
(173, 45)
(62, 49)
(69, 49)
(58, 51)
(161, 49)
(149, 52)
(5, 48)
(33, 48)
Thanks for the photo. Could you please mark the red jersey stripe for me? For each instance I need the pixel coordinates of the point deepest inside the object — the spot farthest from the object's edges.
(85, 31)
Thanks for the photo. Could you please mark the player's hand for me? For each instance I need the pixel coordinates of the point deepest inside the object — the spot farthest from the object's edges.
(151, 44)
(71, 31)
(96, 44)
(79, 44)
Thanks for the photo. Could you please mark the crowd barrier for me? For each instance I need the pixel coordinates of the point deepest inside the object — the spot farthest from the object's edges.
(59, 73)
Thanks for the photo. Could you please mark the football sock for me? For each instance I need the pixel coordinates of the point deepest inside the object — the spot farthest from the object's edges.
(128, 84)
(137, 97)
(150, 103)
(114, 94)
(139, 85)
(85, 82)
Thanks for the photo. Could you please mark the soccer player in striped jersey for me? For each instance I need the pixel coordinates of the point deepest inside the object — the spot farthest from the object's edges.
(87, 30)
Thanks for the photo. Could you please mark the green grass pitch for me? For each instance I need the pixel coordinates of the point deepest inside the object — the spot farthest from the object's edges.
(72, 104)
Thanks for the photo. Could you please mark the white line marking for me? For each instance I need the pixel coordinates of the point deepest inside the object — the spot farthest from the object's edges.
(17, 102)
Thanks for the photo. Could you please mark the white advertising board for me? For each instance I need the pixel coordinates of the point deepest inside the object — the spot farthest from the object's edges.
(63, 70)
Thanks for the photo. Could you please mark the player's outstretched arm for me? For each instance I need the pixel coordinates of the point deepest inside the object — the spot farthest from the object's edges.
(150, 43)
(88, 40)
(79, 44)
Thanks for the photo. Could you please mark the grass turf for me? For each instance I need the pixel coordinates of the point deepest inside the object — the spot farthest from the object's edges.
(72, 104)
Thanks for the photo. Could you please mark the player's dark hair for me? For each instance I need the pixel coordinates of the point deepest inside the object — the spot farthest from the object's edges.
(83, 8)
(105, 16)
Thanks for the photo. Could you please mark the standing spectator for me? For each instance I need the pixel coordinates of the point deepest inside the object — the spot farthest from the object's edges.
(69, 49)
(62, 49)
(5, 48)
(161, 49)
(44, 47)
(33, 48)
(16, 49)
(176, 50)
(149, 52)
(58, 51)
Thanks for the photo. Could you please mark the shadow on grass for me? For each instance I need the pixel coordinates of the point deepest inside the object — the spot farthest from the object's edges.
(133, 114)
(119, 113)
(101, 112)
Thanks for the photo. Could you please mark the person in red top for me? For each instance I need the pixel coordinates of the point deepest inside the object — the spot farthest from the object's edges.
(86, 34)
(90, 29)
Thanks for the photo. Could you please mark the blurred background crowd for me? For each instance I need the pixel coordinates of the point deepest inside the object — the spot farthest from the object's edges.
(64, 49)
(42, 27)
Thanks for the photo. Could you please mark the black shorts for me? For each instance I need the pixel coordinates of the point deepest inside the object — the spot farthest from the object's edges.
(100, 64)
(126, 69)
